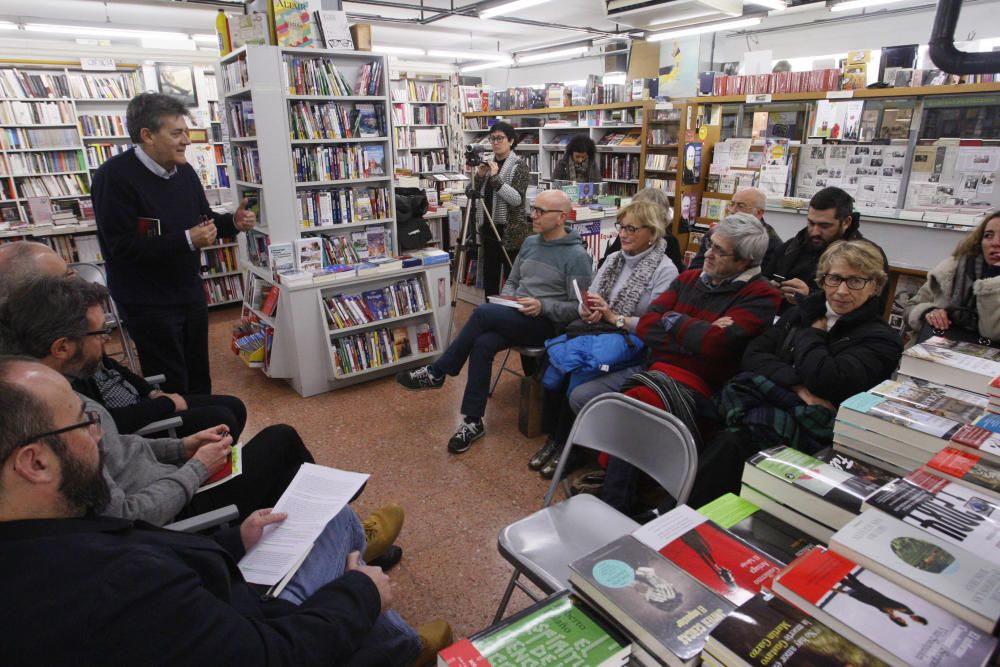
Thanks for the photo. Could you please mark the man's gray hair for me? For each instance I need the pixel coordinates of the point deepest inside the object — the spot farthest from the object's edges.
(747, 234)
(17, 264)
(148, 110)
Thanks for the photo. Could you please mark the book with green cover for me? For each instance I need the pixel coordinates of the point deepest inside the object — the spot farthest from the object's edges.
(560, 628)
(778, 539)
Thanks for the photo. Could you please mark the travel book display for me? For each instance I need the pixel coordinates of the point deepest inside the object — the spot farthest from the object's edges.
(327, 114)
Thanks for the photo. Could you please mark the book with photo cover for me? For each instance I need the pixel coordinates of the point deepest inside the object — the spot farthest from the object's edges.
(957, 363)
(656, 602)
(889, 621)
(941, 400)
(374, 160)
(308, 254)
(401, 342)
(973, 471)
(40, 210)
(715, 557)
(375, 238)
(919, 429)
(560, 626)
(367, 121)
(963, 583)
(425, 338)
(779, 539)
(769, 632)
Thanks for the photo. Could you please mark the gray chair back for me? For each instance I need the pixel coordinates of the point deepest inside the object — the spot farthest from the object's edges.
(93, 273)
(649, 438)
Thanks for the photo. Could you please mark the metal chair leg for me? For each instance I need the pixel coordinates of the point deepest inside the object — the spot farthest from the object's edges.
(496, 378)
(506, 597)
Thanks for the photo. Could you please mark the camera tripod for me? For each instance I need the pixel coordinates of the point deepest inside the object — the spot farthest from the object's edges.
(465, 245)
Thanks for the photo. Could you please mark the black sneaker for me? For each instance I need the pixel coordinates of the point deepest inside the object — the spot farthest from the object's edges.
(466, 435)
(543, 455)
(419, 378)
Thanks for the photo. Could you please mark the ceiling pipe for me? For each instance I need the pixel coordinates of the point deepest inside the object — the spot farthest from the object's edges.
(941, 46)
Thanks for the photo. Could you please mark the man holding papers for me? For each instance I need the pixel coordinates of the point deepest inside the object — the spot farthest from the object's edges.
(87, 590)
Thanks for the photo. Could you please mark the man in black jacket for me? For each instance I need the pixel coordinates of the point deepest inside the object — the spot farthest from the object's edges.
(831, 217)
(85, 590)
(152, 221)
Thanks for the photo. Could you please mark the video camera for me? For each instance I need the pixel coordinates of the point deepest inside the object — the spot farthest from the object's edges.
(476, 154)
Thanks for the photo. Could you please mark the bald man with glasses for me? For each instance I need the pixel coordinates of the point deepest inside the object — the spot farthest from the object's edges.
(746, 200)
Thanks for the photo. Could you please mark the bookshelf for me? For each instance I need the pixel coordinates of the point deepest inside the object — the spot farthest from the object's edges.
(421, 111)
(319, 175)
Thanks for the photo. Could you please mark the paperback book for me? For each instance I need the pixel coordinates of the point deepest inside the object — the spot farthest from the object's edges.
(657, 603)
(941, 400)
(959, 364)
(779, 539)
(790, 515)
(964, 584)
(559, 628)
(887, 620)
(973, 471)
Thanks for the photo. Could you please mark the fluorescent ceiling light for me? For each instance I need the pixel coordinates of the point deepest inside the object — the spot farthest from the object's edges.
(553, 55)
(468, 55)
(208, 39)
(861, 4)
(399, 50)
(508, 7)
(7, 25)
(702, 29)
(776, 5)
(169, 44)
(684, 17)
(78, 30)
(496, 63)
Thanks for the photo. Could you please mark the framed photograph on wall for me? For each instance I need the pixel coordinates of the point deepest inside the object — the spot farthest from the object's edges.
(177, 80)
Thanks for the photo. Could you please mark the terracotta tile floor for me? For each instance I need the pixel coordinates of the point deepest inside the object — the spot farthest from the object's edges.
(455, 505)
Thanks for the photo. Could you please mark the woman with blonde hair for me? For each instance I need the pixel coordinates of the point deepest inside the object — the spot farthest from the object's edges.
(961, 298)
(627, 282)
(831, 345)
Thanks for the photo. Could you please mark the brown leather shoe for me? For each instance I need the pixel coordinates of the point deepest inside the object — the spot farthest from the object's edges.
(434, 636)
(381, 530)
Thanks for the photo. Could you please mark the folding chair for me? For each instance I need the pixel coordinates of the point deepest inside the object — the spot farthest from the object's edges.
(93, 273)
(532, 352)
(170, 424)
(219, 518)
(542, 545)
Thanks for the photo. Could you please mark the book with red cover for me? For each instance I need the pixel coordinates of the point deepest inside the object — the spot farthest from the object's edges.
(149, 227)
(718, 559)
(968, 469)
(270, 304)
(977, 440)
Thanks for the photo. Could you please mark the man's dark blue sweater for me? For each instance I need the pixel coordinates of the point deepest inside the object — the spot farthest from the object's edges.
(151, 270)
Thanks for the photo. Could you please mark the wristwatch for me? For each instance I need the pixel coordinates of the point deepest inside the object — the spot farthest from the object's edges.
(620, 321)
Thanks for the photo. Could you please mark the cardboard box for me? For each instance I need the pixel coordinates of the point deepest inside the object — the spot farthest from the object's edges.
(361, 33)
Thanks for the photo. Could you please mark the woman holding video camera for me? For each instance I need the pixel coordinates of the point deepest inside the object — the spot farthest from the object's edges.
(502, 182)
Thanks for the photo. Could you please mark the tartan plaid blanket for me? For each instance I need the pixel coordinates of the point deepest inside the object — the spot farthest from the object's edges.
(774, 414)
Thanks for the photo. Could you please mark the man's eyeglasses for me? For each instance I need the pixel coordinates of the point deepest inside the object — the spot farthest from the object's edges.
(853, 282)
(742, 206)
(631, 229)
(542, 211)
(105, 332)
(496, 139)
(93, 420)
(717, 250)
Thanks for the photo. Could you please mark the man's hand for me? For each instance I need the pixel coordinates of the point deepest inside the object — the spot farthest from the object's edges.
(792, 289)
(820, 323)
(203, 235)
(938, 318)
(209, 436)
(723, 322)
(180, 405)
(244, 218)
(530, 306)
(214, 455)
(378, 577)
(252, 529)
(810, 398)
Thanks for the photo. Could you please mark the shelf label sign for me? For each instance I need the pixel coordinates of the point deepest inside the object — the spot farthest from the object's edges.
(839, 94)
(761, 98)
(97, 64)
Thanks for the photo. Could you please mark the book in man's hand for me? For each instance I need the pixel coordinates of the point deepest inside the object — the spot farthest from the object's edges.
(561, 628)
(232, 468)
(148, 227)
(509, 301)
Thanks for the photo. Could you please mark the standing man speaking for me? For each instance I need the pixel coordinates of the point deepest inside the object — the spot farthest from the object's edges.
(152, 221)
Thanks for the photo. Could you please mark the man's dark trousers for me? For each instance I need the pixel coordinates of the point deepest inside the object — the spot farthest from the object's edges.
(173, 340)
(491, 328)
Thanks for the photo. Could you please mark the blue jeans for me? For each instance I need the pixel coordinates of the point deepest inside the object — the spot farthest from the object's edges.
(491, 328)
(391, 634)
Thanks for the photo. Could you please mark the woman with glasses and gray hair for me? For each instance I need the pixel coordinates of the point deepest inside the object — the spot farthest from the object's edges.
(831, 345)
(627, 282)
(961, 298)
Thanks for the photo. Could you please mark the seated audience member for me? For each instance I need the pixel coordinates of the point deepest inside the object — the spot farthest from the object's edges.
(831, 217)
(747, 200)
(961, 297)
(696, 332)
(132, 402)
(22, 260)
(831, 345)
(84, 589)
(579, 162)
(662, 200)
(541, 282)
(625, 285)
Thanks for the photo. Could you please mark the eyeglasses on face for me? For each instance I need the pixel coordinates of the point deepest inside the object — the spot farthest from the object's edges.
(742, 206)
(542, 211)
(92, 420)
(497, 138)
(717, 250)
(853, 282)
(104, 333)
(631, 229)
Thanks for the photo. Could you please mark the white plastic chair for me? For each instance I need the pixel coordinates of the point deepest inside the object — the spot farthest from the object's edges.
(542, 545)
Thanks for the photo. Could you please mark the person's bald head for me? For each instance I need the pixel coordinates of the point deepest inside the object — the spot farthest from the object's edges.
(22, 261)
(549, 214)
(749, 200)
(554, 199)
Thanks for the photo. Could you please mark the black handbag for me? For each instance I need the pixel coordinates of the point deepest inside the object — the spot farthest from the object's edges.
(414, 232)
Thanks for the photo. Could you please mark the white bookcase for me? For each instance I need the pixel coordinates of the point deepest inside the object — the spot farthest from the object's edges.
(262, 80)
(420, 113)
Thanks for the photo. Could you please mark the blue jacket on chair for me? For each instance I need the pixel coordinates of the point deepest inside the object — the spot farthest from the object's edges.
(588, 357)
